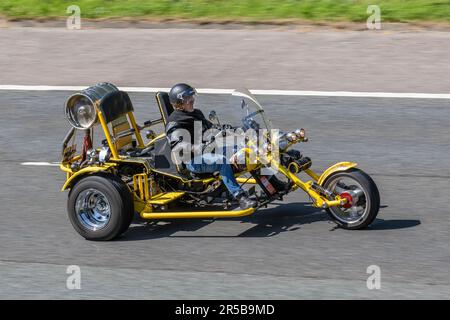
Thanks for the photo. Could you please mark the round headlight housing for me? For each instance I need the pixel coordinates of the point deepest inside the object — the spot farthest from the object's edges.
(291, 137)
(300, 133)
(80, 112)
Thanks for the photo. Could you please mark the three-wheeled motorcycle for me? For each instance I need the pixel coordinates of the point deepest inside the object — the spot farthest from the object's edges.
(132, 169)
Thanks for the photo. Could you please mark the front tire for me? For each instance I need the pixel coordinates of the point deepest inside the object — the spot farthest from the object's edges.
(100, 207)
(358, 187)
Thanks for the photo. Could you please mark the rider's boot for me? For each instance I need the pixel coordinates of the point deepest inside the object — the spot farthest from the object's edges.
(245, 202)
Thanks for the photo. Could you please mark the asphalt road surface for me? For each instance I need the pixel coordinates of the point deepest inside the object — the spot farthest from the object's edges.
(298, 59)
(287, 251)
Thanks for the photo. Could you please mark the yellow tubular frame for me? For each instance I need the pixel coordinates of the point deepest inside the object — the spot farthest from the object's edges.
(197, 214)
(246, 180)
(84, 171)
(312, 174)
(137, 132)
(141, 187)
(112, 147)
(319, 201)
(155, 139)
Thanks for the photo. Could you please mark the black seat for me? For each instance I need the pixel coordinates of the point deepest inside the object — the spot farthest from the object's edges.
(165, 107)
(163, 157)
(163, 160)
(163, 152)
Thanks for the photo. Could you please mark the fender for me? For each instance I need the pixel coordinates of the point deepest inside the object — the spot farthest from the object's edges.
(340, 166)
(83, 172)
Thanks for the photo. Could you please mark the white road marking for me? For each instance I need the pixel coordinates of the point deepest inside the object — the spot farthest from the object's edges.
(353, 94)
(45, 164)
(41, 88)
(254, 91)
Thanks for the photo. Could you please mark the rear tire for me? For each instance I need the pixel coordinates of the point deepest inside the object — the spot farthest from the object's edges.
(370, 199)
(100, 207)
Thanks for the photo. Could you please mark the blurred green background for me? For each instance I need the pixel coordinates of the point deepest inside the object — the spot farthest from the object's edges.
(233, 10)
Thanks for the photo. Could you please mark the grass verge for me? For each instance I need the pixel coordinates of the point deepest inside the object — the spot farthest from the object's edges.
(233, 10)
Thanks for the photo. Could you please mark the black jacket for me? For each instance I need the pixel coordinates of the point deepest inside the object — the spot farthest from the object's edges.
(185, 120)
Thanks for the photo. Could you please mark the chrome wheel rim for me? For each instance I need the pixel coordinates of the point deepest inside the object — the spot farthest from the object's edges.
(92, 209)
(360, 204)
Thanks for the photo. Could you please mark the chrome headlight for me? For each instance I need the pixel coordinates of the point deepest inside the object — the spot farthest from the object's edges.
(81, 107)
(80, 111)
(291, 137)
(300, 133)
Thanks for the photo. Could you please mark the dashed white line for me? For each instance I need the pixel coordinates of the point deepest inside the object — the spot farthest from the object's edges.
(254, 91)
(45, 164)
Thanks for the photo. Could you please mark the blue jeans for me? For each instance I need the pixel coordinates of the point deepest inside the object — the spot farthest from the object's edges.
(216, 162)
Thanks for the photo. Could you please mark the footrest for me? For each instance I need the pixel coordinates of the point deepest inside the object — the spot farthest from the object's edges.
(165, 198)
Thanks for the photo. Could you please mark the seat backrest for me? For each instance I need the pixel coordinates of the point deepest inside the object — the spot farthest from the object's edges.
(120, 125)
(115, 104)
(163, 160)
(114, 107)
(165, 107)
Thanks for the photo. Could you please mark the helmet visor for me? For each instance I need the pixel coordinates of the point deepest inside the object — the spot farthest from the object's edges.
(188, 99)
(187, 96)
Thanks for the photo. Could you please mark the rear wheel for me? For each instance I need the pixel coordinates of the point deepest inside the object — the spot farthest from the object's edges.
(362, 195)
(100, 207)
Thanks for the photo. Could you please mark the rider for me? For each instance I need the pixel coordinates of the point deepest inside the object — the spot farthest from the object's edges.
(182, 97)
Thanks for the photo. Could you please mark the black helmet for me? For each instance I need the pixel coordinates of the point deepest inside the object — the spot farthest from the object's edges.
(180, 92)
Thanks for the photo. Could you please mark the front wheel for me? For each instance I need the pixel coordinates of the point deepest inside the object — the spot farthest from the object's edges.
(362, 195)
